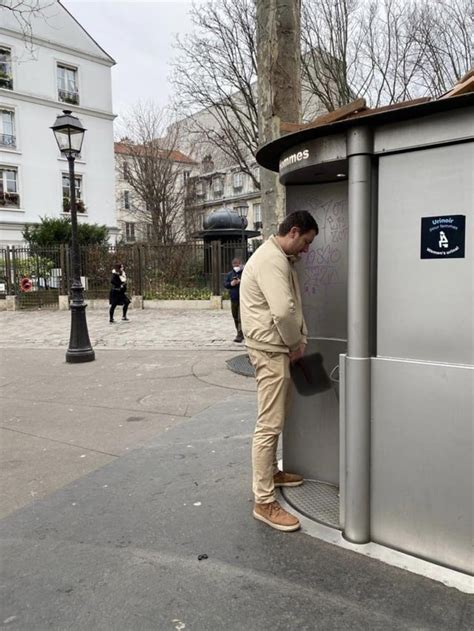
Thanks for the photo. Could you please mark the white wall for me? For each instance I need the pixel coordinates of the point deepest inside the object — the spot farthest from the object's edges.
(34, 99)
(36, 75)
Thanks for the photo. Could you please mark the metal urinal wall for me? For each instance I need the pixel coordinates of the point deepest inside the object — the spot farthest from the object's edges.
(423, 374)
(311, 435)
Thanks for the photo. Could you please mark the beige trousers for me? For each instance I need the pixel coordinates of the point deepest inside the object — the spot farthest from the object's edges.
(272, 372)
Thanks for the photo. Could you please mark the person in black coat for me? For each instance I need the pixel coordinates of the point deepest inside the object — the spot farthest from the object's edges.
(118, 295)
(232, 283)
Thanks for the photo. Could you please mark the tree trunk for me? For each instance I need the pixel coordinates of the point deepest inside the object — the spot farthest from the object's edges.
(279, 91)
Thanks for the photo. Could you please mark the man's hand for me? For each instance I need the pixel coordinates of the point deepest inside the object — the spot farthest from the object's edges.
(298, 354)
(235, 282)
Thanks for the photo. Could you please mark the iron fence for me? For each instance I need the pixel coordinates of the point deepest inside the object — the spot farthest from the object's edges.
(183, 271)
(35, 275)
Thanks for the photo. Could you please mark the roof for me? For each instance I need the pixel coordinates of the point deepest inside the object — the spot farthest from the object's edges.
(355, 109)
(106, 54)
(338, 121)
(173, 155)
(465, 84)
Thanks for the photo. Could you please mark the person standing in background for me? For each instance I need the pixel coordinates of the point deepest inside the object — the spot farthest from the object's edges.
(118, 295)
(232, 283)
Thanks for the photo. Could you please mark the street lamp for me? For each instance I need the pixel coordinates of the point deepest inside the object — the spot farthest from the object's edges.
(243, 210)
(69, 134)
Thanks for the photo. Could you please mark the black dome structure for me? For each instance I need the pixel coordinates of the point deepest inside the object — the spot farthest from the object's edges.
(225, 226)
(224, 219)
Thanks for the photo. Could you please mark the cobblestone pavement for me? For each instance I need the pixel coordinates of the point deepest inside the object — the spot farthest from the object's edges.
(60, 421)
(148, 328)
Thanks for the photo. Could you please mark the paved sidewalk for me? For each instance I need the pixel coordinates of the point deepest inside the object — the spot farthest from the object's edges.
(60, 421)
(148, 328)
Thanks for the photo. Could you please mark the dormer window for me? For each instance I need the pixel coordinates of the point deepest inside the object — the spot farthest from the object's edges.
(207, 164)
(6, 77)
(68, 91)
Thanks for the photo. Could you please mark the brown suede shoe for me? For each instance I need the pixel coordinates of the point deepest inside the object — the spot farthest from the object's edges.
(287, 479)
(276, 516)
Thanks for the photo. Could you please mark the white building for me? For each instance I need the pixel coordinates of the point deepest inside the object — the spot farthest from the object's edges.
(216, 182)
(225, 187)
(171, 170)
(221, 183)
(63, 67)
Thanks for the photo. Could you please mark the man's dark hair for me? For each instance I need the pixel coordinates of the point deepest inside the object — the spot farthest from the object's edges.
(301, 219)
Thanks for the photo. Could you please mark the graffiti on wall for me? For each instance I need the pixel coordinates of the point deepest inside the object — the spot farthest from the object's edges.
(321, 266)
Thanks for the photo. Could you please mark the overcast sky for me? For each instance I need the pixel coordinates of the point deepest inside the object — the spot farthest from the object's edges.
(139, 36)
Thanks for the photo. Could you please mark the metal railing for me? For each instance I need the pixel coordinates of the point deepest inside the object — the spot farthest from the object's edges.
(34, 275)
(6, 82)
(10, 199)
(7, 140)
(68, 97)
(184, 271)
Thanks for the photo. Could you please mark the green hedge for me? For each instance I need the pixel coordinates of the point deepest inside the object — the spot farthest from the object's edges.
(173, 292)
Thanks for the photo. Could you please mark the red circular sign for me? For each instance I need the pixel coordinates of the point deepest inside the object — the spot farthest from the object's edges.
(26, 284)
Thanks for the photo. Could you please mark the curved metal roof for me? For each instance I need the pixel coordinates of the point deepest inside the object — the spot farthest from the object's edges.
(268, 155)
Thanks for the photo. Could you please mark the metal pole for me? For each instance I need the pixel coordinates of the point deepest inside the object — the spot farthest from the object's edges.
(8, 272)
(140, 267)
(357, 393)
(216, 289)
(62, 265)
(219, 267)
(16, 289)
(80, 349)
(243, 248)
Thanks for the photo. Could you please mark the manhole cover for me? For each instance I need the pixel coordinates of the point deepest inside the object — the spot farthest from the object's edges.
(241, 365)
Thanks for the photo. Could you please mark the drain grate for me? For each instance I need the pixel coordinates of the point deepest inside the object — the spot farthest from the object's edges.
(316, 500)
(241, 365)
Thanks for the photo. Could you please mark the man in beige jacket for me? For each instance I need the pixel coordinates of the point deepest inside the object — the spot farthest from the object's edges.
(275, 335)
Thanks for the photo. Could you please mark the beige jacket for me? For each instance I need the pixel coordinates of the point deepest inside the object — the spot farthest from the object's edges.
(270, 301)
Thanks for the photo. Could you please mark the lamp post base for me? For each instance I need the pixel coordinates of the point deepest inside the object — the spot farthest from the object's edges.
(80, 349)
(79, 356)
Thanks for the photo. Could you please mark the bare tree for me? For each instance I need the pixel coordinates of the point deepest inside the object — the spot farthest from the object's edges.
(215, 71)
(382, 50)
(24, 12)
(445, 30)
(154, 170)
(327, 39)
(385, 51)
